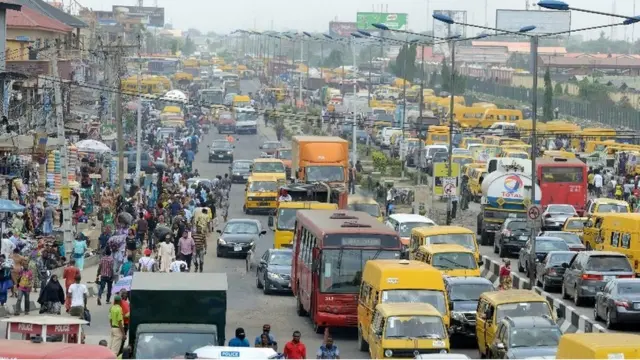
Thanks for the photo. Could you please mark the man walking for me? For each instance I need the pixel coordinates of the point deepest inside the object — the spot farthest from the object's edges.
(187, 247)
(200, 239)
(116, 319)
(295, 349)
(78, 293)
(104, 277)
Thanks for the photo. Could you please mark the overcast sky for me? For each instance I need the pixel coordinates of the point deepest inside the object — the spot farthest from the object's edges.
(313, 15)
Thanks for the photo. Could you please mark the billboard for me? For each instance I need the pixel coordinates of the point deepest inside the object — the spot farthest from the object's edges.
(342, 28)
(395, 21)
(545, 21)
(155, 14)
(442, 30)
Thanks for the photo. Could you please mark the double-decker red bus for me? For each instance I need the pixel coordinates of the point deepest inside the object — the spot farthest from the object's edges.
(562, 181)
(329, 252)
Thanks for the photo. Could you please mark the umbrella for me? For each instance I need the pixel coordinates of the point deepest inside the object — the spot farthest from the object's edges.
(92, 146)
(161, 231)
(123, 283)
(8, 206)
(125, 218)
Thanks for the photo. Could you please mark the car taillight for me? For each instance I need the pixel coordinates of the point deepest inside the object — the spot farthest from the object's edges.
(591, 277)
(552, 272)
(624, 304)
(625, 276)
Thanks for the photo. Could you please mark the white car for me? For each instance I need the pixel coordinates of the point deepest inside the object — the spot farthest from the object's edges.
(404, 223)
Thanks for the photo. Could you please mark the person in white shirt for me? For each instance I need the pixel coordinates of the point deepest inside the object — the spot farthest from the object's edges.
(7, 247)
(597, 184)
(78, 293)
(177, 177)
(178, 266)
(285, 196)
(146, 263)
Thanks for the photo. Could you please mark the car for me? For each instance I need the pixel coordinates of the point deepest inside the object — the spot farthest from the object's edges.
(274, 271)
(438, 157)
(589, 271)
(240, 170)
(618, 302)
(523, 337)
(238, 237)
(464, 294)
(221, 151)
(575, 225)
(549, 271)
(544, 245)
(572, 239)
(460, 151)
(555, 215)
(270, 148)
(511, 237)
(228, 99)
(246, 121)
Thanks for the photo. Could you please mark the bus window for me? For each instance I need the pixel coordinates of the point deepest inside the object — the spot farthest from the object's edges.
(559, 174)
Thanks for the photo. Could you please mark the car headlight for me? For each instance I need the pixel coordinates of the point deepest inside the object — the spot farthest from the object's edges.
(457, 316)
(273, 275)
(443, 351)
(229, 152)
(251, 244)
(236, 174)
(388, 353)
(222, 242)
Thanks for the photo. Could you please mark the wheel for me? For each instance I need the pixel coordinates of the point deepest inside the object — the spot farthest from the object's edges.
(609, 322)
(565, 296)
(265, 286)
(501, 252)
(299, 308)
(577, 300)
(545, 287)
(362, 345)
(596, 317)
(219, 253)
(258, 283)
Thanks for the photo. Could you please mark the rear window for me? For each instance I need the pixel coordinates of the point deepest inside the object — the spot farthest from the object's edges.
(517, 225)
(612, 208)
(575, 224)
(551, 245)
(628, 288)
(608, 263)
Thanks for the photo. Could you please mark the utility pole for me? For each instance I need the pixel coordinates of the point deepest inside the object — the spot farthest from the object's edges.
(119, 129)
(4, 91)
(65, 192)
(139, 120)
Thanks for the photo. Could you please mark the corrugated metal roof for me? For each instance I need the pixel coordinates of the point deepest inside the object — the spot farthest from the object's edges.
(606, 63)
(31, 19)
(53, 12)
(482, 54)
(520, 47)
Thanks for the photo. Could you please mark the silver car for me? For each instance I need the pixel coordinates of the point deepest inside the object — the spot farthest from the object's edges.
(618, 302)
(589, 271)
(555, 215)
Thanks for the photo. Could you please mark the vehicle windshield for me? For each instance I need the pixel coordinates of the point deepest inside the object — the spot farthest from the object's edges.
(284, 154)
(281, 258)
(557, 259)
(423, 296)
(612, 208)
(465, 240)
(341, 271)
(468, 292)
(561, 209)
(543, 246)
(517, 225)
(246, 116)
(608, 263)
(518, 155)
(426, 327)
(238, 227)
(454, 260)
(569, 238)
(406, 227)
(268, 167)
(462, 161)
(325, 174)
(244, 165)
(171, 345)
(536, 308)
(575, 224)
(263, 186)
(286, 219)
(371, 209)
(271, 145)
(535, 336)
(224, 145)
(241, 104)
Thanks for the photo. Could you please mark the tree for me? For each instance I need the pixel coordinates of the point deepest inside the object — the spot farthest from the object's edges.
(174, 46)
(405, 64)
(547, 106)
(557, 90)
(334, 59)
(445, 76)
(433, 80)
(189, 46)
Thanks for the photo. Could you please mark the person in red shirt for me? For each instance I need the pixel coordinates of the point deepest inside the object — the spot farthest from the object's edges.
(295, 349)
(126, 310)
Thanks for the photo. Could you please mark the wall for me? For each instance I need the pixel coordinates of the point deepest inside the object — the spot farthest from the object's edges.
(34, 35)
(17, 50)
(41, 67)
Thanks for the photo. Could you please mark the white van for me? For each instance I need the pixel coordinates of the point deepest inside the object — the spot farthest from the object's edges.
(502, 128)
(387, 133)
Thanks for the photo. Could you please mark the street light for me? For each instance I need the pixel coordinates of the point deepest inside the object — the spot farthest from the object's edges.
(534, 104)
(563, 6)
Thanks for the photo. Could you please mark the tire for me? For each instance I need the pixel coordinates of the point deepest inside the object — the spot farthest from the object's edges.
(608, 321)
(362, 344)
(258, 284)
(577, 300)
(299, 308)
(564, 294)
(265, 286)
(219, 253)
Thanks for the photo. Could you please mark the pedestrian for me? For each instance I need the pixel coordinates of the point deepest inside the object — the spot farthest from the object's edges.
(103, 343)
(5, 279)
(295, 349)
(454, 206)
(598, 183)
(25, 285)
(328, 350)
(116, 319)
(104, 276)
(69, 275)
(146, 263)
(79, 248)
(127, 267)
(178, 266)
(17, 260)
(47, 219)
(126, 312)
(166, 254)
(104, 238)
(352, 179)
(200, 240)
(132, 242)
(266, 330)
(79, 294)
(505, 275)
(240, 340)
(142, 227)
(52, 297)
(263, 341)
(187, 248)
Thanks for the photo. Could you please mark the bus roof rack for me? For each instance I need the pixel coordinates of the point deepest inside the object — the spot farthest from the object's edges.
(341, 215)
(354, 224)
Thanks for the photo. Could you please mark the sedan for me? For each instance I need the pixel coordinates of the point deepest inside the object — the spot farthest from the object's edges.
(618, 302)
(274, 271)
(513, 234)
(573, 240)
(221, 151)
(238, 237)
(270, 148)
(555, 215)
(240, 170)
(544, 245)
(550, 270)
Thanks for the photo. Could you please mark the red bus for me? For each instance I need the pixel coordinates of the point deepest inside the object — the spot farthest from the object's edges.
(563, 181)
(329, 252)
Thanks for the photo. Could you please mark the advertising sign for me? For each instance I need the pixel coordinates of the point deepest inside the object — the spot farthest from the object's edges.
(442, 178)
(442, 30)
(155, 14)
(395, 21)
(545, 21)
(342, 28)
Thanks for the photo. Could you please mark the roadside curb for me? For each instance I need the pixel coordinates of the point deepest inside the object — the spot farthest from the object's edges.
(570, 321)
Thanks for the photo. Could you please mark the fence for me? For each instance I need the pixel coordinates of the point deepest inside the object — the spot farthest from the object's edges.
(607, 114)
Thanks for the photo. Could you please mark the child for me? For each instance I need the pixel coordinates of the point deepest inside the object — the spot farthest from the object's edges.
(505, 275)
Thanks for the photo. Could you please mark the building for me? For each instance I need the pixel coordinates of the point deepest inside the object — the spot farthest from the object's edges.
(48, 10)
(587, 65)
(35, 28)
(521, 47)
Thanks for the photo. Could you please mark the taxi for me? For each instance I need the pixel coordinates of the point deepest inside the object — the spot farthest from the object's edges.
(270, 167)
(574, 225)
(451, 260)
(606, 205)
(599, 346)
(285, 220)
(366, 204)
(453, 235)
(260, 194)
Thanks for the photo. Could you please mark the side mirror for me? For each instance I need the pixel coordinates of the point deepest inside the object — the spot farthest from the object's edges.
(219, 232)
(451, 305)
(500, 346)
(480, 263)
(263, 232)
(565, 265)
(263, 262)
(270, 221)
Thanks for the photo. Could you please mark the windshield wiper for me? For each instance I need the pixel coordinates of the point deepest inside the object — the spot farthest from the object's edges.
(456, 264)
(377, 254)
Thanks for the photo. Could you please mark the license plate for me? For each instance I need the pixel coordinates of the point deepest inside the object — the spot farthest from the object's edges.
(636, 306)
(523, 238)
(263, 203)
(609, 278)
(245, 177)
(237, 248)
(220, 156)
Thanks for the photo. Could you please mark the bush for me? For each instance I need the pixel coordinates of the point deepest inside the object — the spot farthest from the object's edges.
(380, 161)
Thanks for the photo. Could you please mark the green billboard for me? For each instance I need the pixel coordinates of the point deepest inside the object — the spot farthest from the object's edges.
(395, 21)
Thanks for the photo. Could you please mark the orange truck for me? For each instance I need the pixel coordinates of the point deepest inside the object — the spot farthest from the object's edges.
(319, 159)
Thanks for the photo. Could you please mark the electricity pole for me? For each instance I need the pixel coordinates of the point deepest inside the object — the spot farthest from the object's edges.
(139, 120)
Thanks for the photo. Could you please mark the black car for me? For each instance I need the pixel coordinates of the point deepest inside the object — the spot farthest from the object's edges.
(464, 294)
(240, 170)
(511, 237)
(572, 239)
(221, 151)
(274, 271)
(549, 271)
(238, 237)
(544, 245)
(146, 162)
(618, 302)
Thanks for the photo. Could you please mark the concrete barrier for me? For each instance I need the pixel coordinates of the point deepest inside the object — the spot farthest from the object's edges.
(570, 321)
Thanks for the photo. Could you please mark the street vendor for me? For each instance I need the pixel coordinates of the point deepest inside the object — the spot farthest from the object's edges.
(17, 225)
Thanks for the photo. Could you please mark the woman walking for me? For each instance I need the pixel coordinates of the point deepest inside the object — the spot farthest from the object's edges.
(52, 297)
(79, 249)
(505, 275)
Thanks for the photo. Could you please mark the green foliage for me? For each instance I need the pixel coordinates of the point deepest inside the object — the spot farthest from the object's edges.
(558, 90)
(405, 65)
(547, 105)
(380, 161)
(335, 59)
(189, 47)
(174, 46)
(445, 76)
(593, 91)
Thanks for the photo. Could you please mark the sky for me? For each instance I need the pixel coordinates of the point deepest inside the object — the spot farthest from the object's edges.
(223, 16)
